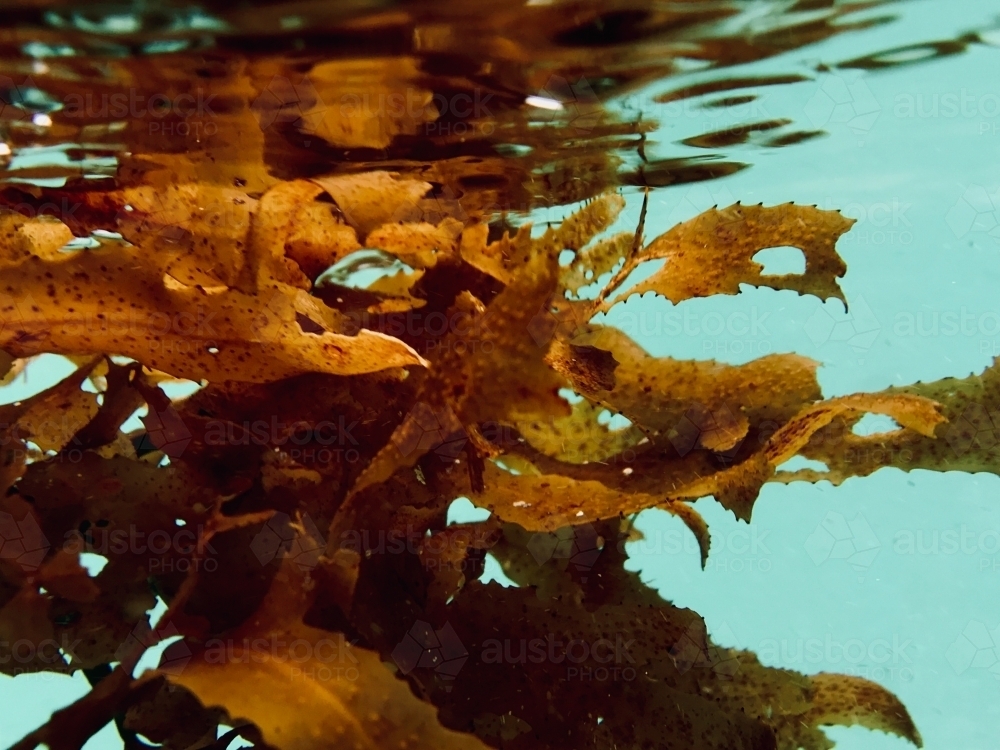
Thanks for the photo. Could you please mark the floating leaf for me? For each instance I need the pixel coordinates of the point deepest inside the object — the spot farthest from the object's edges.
(737, 488)
(691, 404)
(713, 252)
(77, 304)
(579, 438)
(328, 410)
(968, 441)
(307, 687)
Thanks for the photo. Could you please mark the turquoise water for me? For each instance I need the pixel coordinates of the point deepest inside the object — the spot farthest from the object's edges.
(895, 577)
(912, 601)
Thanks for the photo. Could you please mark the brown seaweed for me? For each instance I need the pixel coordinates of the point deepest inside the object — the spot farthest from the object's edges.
(301, 494)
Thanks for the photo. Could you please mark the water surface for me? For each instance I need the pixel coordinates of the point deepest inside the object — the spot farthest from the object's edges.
(887, 111)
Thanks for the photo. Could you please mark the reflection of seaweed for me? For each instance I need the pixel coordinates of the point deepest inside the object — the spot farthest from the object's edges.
(363, 435)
